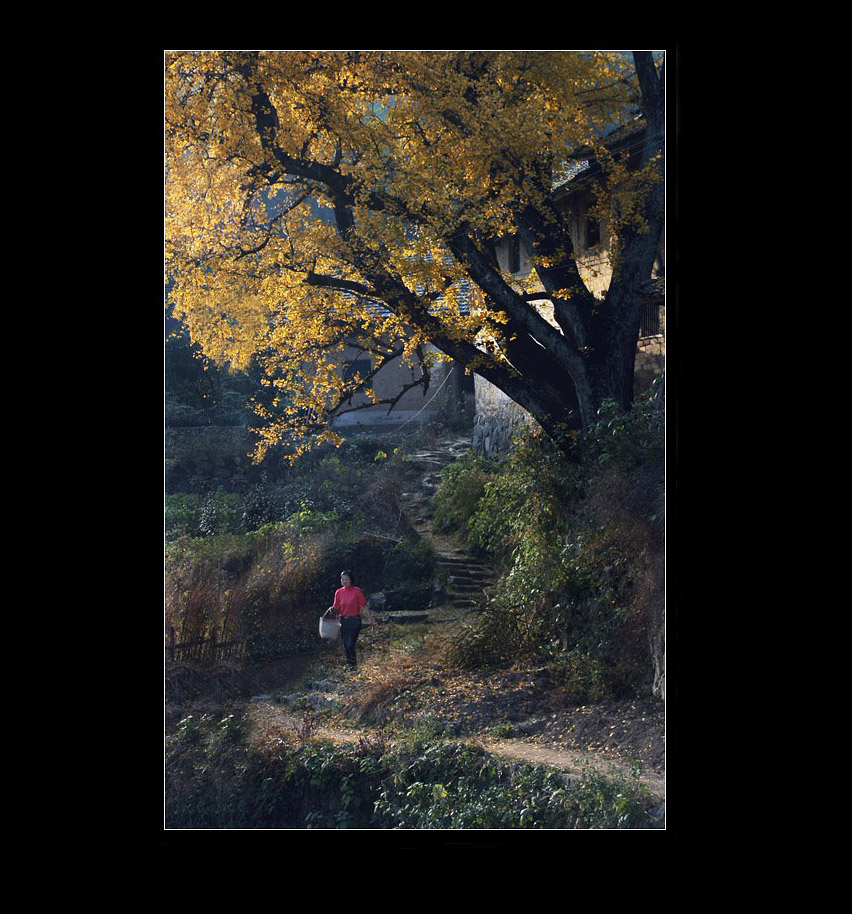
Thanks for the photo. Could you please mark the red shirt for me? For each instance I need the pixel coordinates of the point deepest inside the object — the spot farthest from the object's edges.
(350, 601)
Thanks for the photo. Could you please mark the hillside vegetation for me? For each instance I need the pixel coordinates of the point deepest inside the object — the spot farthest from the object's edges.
(575, 602)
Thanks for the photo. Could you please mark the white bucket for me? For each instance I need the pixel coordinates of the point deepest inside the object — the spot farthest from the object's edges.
(329, 629)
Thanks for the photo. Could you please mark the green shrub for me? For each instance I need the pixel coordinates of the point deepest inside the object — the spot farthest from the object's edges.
(462, 486)
(181, 515)
(409, 562)
(575, 544)
(531, 493)
(626, 439)
(453, 786)
(218, 513)
(215, 779)
(262, 505)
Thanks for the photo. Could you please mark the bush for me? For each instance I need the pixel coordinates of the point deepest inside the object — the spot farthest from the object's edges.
(181, 515)
(453, 786)
(627, 439)
(493, 505)
(263, 505)
(462, 487)
(409, 563)
(577, 544)
(214, 779)
(218, 513)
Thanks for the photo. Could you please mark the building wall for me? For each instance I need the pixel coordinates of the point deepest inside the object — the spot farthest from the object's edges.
(650, 358)
(446, 388)
(497, 417)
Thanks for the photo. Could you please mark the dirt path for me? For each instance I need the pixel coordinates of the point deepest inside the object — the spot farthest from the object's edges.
(609, 740)
(272, 722)
(573, 762)
(467, 578)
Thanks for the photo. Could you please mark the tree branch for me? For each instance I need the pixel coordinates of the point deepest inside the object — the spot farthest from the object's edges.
(651, 86)
(525, 316)
(289, 208)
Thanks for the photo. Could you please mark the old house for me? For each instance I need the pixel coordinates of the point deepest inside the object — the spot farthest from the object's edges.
(449, 393)
(496, 416)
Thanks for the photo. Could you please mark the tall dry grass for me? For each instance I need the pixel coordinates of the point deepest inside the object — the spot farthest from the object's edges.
(265, 598)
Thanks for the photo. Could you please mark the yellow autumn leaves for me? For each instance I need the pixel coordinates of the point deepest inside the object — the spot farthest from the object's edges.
(413, 146)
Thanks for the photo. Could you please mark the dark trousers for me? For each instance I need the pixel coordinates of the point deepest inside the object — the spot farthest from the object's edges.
(350, 628)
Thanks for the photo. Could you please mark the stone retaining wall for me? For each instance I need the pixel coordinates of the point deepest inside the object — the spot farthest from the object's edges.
(496, 421)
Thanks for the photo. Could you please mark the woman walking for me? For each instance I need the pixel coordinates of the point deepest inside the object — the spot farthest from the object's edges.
(349, 601)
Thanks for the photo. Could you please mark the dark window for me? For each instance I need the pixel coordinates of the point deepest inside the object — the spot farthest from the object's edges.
(593, 233)
(515, 255)
(650, 325)
(357, 367)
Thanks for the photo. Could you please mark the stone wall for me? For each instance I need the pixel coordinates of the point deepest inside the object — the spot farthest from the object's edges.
(496, 420)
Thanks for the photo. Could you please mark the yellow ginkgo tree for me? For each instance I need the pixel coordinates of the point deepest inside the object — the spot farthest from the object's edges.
(315, 199)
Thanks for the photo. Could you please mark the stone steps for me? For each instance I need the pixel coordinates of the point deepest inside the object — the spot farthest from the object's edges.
(403, 617)
(465, 576)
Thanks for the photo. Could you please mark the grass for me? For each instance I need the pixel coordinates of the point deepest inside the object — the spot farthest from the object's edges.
(399, 772)
(407, 772)
(217, 779)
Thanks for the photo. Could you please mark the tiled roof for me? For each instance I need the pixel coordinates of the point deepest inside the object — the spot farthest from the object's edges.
(579, 169)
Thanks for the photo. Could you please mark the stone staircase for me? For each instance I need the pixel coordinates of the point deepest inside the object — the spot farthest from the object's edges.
(463, 576)
(466, 580)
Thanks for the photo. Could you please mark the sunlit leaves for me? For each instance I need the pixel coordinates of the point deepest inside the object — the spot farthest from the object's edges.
(311, 198)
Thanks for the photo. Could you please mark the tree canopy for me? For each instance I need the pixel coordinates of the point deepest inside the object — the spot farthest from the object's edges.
(319, 198)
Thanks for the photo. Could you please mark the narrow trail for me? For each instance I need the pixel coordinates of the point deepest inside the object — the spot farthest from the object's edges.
(466, 577)
(277, 723)
(573, 762)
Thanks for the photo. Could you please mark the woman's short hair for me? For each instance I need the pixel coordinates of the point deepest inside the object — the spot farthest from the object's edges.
(348, 575)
